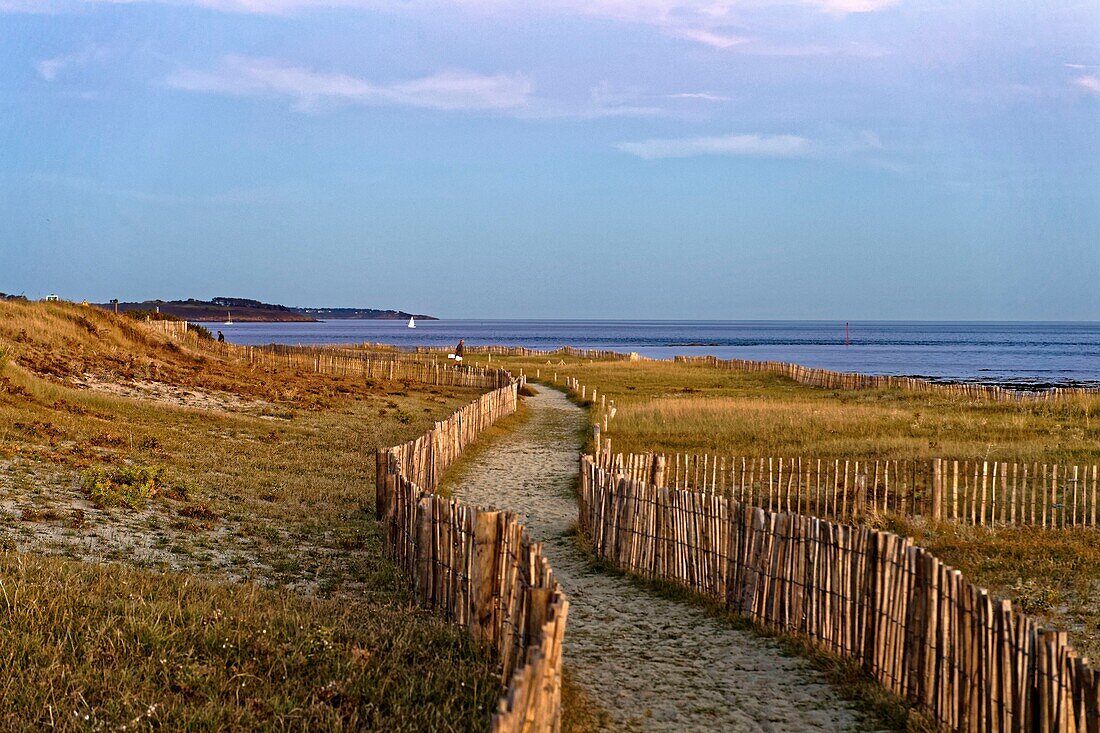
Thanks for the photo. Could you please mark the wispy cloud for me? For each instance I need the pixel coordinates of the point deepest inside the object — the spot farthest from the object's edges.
(541, 110)
(1089, 82)
(714, 39)
(741, 145)
(720, 24)
(605, 100)
(49, 69)
(312, 90)
(645, 11)
(703, 96)
(869, 139)
(846, 7)
(637, 11)
(26, 6)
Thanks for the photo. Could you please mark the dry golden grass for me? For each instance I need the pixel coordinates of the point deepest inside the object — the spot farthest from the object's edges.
(664, 406)
(264, 522)
(892, 426)
(67, 342)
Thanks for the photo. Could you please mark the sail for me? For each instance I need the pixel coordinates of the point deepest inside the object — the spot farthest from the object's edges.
(412, 323)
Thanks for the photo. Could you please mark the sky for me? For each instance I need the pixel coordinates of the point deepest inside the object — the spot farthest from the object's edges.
(711, 159)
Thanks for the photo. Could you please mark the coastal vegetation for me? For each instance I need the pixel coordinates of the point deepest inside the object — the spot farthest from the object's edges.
(667, 407)
(91, 646)
(187, 539)
(205, 528)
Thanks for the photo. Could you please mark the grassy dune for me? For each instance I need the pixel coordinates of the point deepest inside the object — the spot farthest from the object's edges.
(259, 537)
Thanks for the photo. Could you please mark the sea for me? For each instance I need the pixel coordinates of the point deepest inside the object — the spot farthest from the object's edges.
(1018, 354)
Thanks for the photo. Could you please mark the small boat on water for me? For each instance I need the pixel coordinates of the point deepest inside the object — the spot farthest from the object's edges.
(228, 318)
(412, 323)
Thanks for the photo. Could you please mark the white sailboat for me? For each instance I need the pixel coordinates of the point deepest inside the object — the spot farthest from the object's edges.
(412, 323)
(228, 318)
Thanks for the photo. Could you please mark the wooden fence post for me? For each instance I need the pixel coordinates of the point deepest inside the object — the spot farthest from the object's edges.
(484, 575)
(937, 489)
(659, 471)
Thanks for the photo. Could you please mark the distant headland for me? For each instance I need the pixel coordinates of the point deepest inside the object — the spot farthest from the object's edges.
(253, 311)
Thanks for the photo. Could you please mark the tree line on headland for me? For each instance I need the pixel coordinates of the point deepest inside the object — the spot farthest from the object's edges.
(246, 309)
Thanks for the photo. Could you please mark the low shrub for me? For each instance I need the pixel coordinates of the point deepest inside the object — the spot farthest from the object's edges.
(198, 511)
(140, 314)
(33, 514)
(1034, 596)
(129, 486)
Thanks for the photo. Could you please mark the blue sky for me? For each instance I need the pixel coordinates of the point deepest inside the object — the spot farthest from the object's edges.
(852, 159)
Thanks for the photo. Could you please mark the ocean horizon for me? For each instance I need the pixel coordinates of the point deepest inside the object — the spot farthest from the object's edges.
(1029, 354)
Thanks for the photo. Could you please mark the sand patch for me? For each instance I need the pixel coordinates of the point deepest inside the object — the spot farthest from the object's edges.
(44, 510)
(170, 394)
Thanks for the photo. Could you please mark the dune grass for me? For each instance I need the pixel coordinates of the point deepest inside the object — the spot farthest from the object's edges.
(90, 647)
(662, 406)
(258, 534)
(69, 342)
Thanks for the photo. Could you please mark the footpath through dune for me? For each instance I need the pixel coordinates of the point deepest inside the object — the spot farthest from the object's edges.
(655, 664)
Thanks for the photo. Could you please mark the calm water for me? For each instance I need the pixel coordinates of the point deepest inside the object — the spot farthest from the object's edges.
(1003, 353)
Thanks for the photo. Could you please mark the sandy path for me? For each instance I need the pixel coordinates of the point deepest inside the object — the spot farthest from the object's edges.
(653, 663)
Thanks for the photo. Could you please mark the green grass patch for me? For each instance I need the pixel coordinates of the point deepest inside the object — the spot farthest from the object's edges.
(128, 486)
(90, 647)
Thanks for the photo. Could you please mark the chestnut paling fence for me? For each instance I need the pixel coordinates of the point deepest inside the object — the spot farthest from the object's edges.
(340, 361)
(991, 493)
(851, 380)
(476, 567)
(972, 662)
(962, 491)
(496, 350)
